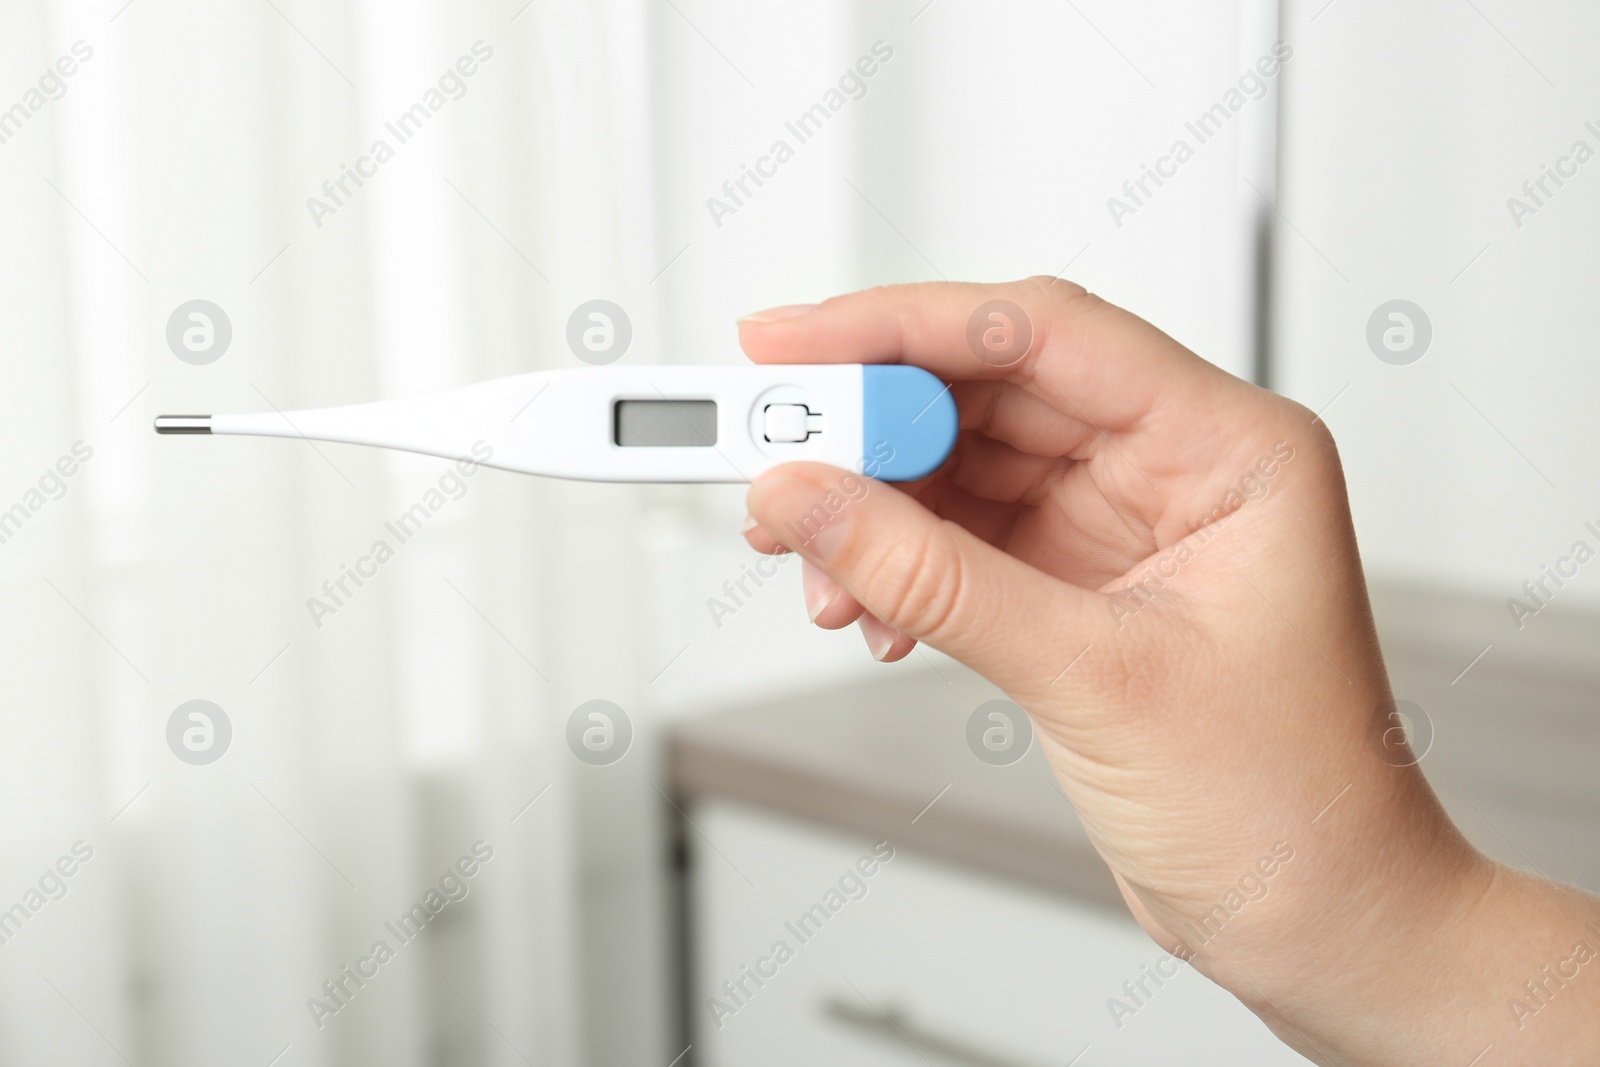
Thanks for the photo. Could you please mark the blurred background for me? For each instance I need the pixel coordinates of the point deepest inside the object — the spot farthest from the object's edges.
(1394, 226)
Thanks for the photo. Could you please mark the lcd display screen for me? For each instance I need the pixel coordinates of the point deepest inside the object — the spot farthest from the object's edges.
(666, 423)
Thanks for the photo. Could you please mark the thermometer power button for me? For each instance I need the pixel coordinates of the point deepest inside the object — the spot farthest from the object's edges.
(790, 423)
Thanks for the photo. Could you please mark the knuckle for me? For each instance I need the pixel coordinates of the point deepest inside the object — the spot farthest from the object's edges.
(919, 582)
(1305, 430)
(1058, 294)
(1052, 289)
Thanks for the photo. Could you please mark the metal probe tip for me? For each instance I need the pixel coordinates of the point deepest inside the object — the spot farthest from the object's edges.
(183, 424)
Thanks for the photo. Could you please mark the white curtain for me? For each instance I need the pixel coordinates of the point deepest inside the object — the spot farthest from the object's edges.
(374, 747)
(416, 720)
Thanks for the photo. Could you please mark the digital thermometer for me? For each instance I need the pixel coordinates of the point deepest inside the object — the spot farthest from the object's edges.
(661, 423)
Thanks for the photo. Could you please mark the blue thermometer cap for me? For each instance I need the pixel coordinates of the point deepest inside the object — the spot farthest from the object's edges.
(908, 422)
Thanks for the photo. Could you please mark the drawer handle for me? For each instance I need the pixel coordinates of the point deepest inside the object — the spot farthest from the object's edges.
(896, 1025)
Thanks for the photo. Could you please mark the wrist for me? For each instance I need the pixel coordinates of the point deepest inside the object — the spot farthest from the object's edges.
(1528, 967)
(1364, 960)
(1436, 954)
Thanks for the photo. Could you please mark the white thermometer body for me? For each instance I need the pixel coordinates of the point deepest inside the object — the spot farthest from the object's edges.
(658, 423)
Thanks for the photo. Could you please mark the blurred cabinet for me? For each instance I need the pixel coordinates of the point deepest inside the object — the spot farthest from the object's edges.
(995, 937)
(925, 963)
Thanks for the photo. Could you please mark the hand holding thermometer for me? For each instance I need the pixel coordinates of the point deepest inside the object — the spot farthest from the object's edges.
(661, 423)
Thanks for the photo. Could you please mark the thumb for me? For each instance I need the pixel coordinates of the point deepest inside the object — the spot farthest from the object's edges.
(929, 578)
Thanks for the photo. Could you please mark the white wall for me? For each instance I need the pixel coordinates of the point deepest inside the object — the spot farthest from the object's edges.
(1406, 128)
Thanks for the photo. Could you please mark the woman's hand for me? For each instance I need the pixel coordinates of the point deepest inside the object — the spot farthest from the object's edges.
(1156, 560)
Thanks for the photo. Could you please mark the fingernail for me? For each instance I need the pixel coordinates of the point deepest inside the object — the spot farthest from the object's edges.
(880, 636)
(827, 542)
(778, 314)
(818, 589)
(809, 517)
(750, 523)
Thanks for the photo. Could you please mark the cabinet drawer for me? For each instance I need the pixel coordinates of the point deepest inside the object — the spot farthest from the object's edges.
(810, 949)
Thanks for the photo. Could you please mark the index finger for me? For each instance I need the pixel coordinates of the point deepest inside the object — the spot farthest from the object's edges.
(1088, 359)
